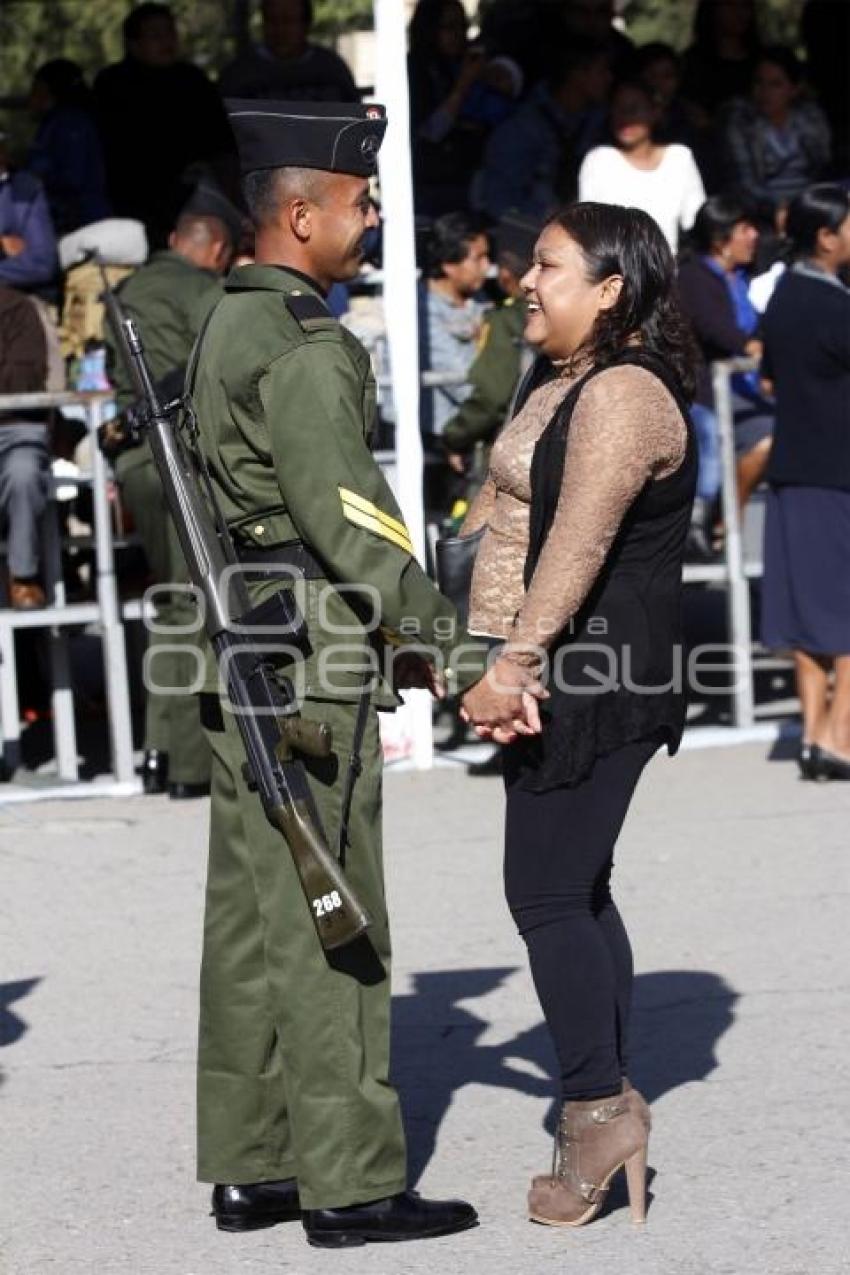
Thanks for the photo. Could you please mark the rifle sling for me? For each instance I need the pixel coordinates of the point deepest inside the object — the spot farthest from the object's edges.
(355, 766)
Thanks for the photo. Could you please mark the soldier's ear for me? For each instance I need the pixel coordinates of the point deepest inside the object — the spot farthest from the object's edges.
(300, 219)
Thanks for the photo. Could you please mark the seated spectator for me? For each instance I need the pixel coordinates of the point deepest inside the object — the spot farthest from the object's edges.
(777, 141)
(525, 30)
(531, 161)
(27, 239)
(640, 171)
(713, 281)
(66, 153)
(806, 587)
(23, 446)
(719, 64)
(286, 65)
(457, 261)
(157, 115)
(503, 355)
(443, 74)
(593, 20)
(825, 35)
(659, 67)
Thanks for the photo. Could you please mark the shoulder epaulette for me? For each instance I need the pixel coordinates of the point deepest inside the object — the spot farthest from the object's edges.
(304, 306)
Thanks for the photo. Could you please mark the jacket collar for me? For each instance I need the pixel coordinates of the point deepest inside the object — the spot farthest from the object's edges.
(270, 279)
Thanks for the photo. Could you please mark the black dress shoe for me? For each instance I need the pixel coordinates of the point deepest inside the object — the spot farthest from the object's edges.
(809, 761)
(259, 1204)
(154, 772)
(397, 1217)
(185, 792)
(831, 766)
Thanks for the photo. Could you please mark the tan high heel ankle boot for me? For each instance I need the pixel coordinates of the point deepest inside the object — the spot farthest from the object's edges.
(641, 1106)
(593, 1141)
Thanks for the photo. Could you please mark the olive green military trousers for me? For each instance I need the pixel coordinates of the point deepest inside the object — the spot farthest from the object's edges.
(172, 720)
(293, 1055)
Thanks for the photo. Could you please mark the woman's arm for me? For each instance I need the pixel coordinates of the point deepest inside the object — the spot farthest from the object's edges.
(707, 304)
(693, 191)
(625, 430)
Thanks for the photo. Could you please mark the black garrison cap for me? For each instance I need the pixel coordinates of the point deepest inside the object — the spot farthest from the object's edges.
(337, 137)
(209, 200)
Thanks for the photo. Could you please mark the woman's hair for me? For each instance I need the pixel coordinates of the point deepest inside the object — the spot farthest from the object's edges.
(64, 82)
(716, 220)
(787, 61)
(423, 32)
(628, 242)
(446, 241)
(703, 29)
(823, 206)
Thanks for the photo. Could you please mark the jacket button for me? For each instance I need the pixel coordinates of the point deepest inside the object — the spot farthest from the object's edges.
(259, 530)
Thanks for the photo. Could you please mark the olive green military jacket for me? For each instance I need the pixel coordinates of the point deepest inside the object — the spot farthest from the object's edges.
(493, 376)
(169, 298)
(285, 407)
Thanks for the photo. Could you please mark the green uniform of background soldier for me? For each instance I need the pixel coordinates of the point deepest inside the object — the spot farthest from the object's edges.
(293, 1090)
(503, 356)
(169, 297)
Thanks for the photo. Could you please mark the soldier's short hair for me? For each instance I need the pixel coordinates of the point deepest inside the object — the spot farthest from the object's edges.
(266, 189)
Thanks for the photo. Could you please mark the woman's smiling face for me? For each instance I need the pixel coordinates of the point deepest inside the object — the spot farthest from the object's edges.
(562, 302)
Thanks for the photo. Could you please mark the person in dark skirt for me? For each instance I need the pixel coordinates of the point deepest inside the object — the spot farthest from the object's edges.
(806, 587)
(585, 511)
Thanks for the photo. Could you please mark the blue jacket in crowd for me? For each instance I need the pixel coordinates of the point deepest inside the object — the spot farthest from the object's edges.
(24, 212)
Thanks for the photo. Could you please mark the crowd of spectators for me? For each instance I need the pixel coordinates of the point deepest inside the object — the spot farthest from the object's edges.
(545, 102)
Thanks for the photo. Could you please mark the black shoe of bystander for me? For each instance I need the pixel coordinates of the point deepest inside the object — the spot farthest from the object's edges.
(186, 792)
(154, 772)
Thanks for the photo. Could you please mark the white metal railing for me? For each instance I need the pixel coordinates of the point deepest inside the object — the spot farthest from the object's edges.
(60, 615)
(732, 569)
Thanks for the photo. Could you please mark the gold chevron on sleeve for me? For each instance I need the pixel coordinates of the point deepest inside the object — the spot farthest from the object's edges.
(364, 514)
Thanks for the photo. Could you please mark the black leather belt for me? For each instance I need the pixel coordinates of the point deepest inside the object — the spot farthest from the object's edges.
(294, 555)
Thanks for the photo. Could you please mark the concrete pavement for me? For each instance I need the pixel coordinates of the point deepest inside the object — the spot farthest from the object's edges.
(733, 878)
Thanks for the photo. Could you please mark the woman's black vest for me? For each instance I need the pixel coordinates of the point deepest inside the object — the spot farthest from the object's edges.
(618, 672)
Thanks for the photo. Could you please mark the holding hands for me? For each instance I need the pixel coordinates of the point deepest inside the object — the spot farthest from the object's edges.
(505, 703)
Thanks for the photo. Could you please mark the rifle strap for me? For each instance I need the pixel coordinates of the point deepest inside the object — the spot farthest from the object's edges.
(198, 457)
(355, 766)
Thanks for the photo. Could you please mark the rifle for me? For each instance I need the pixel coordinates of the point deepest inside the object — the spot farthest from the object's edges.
(266, 710)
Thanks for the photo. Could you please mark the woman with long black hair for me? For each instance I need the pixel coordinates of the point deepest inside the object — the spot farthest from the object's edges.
(586, 509)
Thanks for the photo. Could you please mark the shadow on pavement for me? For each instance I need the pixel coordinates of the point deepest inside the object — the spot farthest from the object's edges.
(677, 1018)
(12, 1027)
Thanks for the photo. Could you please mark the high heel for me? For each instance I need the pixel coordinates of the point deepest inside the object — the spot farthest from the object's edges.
(593, 1141)
(636, 1184)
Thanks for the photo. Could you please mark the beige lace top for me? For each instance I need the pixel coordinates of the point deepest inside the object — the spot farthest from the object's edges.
(626, 429)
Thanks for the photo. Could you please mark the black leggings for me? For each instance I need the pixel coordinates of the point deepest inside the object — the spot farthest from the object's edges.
(559, 848)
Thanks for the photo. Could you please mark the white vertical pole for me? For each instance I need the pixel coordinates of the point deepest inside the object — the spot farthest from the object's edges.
(400, 309)
(738, 599)
(112, 630)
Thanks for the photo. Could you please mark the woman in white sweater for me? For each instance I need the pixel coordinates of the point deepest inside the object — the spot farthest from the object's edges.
(638, 171)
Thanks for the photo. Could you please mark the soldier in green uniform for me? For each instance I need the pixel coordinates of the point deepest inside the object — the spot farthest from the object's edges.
(296, 1115)
(502, 355)
(169, 297)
